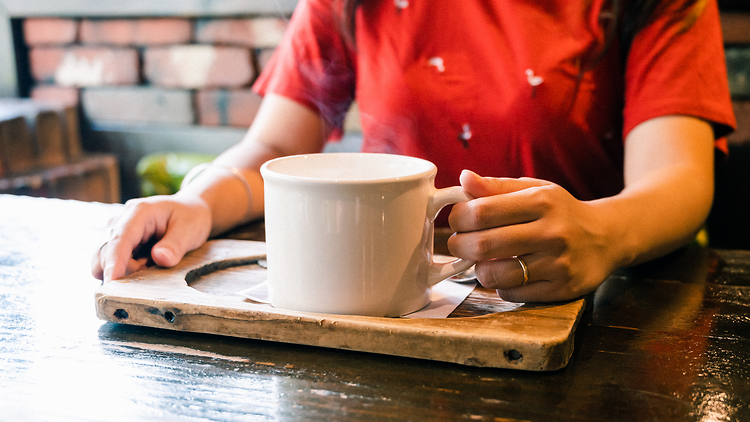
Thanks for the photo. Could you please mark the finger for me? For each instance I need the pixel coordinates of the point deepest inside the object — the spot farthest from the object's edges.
(117, 257)
(508, 273)
(492, 211)
(97, 258)
(131, 265)
(169, 251)
(167, 254)
(478, 186)
(502, 273)
(547, 282)
(500, 242)
(499, 202)
(97, 269)
(538, 291)
(119, 250)
(135, 265)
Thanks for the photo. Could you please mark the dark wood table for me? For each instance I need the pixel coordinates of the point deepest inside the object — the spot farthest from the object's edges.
(663, 342)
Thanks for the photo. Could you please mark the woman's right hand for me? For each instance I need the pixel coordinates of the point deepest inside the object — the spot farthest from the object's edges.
(174, 224)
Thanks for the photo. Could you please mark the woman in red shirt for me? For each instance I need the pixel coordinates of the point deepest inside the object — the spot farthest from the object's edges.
(586, 132)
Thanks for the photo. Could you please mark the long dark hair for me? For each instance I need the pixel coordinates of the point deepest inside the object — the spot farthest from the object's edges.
(624, 20)
(637, 14)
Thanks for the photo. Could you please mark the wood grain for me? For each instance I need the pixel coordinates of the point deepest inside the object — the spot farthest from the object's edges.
(534, 338)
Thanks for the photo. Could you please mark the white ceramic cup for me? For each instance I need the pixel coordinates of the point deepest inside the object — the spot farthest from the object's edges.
(352, 233)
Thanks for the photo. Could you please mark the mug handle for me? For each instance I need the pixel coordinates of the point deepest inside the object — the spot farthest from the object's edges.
(442, 197)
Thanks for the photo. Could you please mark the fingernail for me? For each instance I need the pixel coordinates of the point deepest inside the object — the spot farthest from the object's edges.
(167, 255)
(469, 173)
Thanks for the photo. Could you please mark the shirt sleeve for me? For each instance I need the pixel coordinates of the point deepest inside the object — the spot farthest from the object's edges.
(671, 70)
(314, 65)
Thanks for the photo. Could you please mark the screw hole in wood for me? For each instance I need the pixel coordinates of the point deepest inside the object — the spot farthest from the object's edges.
(513, 355)
(169, 316)
(121, 314)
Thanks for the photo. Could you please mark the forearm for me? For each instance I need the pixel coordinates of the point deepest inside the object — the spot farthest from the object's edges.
(281, 127)
(232, 190)
(668, 189)
(656, 216)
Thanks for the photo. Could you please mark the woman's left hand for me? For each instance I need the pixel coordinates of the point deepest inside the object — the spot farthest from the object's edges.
(562, 241)
(571, 246)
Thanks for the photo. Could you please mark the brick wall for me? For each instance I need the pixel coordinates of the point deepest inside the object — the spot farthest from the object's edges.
(153, 70)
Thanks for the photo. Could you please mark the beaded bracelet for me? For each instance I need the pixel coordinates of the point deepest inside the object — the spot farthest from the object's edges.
(200, 168)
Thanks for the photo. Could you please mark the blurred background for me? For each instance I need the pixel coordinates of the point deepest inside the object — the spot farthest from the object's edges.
(111, 100)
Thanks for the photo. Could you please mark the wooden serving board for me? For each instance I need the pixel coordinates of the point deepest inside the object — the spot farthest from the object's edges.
(198, 295)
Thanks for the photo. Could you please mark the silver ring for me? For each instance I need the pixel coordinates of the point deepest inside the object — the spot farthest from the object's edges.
(525, 270)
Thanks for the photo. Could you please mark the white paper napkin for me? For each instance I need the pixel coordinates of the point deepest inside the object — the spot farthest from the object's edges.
(444, 298)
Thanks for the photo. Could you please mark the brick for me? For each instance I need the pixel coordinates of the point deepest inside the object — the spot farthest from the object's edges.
(198, 66)
(256, 32)
(64, 95)
(136, 31)
(49, 31)
(85, 66)
(138, 104)
(735, 27)
(44, 63)
(227, 107)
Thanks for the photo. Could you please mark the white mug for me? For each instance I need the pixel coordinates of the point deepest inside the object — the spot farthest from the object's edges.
(352, 233)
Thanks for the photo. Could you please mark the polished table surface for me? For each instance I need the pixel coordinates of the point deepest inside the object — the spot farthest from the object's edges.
(668, 341)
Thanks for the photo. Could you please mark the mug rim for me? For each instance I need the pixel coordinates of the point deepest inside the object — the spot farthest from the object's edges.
(267, 172)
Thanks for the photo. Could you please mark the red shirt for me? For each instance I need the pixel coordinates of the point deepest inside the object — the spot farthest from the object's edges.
(493, 86)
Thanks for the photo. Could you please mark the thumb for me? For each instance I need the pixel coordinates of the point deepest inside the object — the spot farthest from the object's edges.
(165, 255)
(170, 250)
(478, 186)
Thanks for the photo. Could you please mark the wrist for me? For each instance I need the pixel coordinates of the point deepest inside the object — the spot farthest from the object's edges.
(225, 194)
(615, 237)
(235, 173)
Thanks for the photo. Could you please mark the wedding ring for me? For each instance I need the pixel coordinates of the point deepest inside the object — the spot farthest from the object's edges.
(525, 270)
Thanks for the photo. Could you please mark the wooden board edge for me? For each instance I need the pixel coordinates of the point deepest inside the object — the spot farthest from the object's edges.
(338, 333)
(174, 306)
